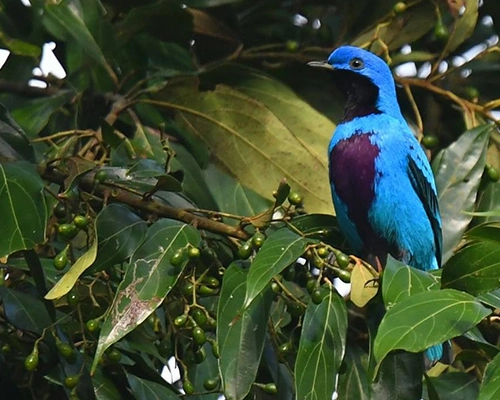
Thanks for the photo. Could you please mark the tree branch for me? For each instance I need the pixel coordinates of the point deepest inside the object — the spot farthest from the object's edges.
(113, 194)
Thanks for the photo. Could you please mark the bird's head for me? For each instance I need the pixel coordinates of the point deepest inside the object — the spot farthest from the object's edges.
(365, 79)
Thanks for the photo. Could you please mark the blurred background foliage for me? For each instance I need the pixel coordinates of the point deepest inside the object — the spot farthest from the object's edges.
(145, 218)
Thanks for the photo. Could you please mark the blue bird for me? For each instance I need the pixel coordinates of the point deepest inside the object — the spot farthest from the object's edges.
(382, 184)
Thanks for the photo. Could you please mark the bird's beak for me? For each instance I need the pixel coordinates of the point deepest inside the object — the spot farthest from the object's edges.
(320, 64)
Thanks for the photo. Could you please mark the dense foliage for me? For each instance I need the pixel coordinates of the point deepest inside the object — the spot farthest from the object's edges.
(168, 199)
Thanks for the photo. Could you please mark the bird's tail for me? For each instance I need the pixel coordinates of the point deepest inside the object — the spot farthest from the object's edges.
(439, 352)
(434, 353)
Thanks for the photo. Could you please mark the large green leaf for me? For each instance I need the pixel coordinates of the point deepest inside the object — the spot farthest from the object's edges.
(321, 347)
(24, 311)
(261, 132)
(14, 145)
(144, 389)
(240, 336)
(489, 201)
(353, 381)
(24, 213)
(401, 281)
(148, 279)
(119, 232)
(464, 25)
(490, 387)
(426, 319)
(279, 251)
(458, 171)
(455, 386)
(475, 268)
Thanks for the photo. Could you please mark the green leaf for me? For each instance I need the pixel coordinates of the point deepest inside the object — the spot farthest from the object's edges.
(65, 20)
(34, 114)
(321, 347)
(240, 335)
(490, 387)
(198, 373)
(491, 298)
(68, 280)
(143, 389)
(488, 231)
(279, 251)
(147, 281)
(401, 281)
(464, 25)
(24, 311)
(120, 232)
(399, 376)
(489, 202)
(14, 145)
(104, 389)
(426, 319)
(455, 386)
(24, 213)
(475, 268)
(353, 381)
(321, 226)
(458, 170)
(259, 129)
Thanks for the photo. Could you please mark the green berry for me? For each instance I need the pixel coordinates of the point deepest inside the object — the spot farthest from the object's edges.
(177, 258)
(92, 325)
(471, 93)
(194, 253)
(245, 250)
(342, 260)
(165, 347)
(61, 259)
(72, 298)
(344, 275)
(188, 387)
(100, 176)
(430, 141)
(31, 362)
(5, 348)
(81, 221)
(295, 198)
(317, 296)
(215, 349)
(270, 388)
(323, 252)
(400, 7)
(180, 320)
(211, 281)
(492, 173)
(71, 381)
(114, 356)
(285, 348)
(65, 350)
(60, 210)
(441, 32)
(206, 291)
(187, 289)
(295, 309)
(311, 284)
(200, 355)
(211, 383)
(199, 336)
(199, 317)
(292, 46)
(258, 240)
(67, 231)
(275, 287)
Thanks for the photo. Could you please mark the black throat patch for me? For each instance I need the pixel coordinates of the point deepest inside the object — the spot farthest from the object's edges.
(360, 92)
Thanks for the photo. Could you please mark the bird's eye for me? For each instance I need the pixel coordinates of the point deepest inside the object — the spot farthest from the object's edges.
(356, 63)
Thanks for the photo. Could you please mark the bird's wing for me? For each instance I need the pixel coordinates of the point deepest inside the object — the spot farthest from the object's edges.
(421, 175)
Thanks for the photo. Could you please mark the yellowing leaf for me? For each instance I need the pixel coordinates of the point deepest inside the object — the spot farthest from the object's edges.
(66, 283)
(364, 284)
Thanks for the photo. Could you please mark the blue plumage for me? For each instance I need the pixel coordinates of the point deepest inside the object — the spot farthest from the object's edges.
(382, 184)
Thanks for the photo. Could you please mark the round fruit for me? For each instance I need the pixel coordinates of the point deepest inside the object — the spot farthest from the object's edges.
(441, 32)
(311, 284)
(323, 252)
(206, 291)
(200, 355)
(199, 316)
(101, 176)
(31, 362)
(245, 250)
(180, 320)
(61, 259)
(317, 296)
(211, 281)
(188, 387)
(194, 253)
(295, 198)
(215, 349)
(275, 287)
(81, 221)
(177, 258)
(92, 325)
(187, 289)
(72, 298)
(67, 231)
(60, 210)
(285, 348)
(492, 173)
(114, 356)
(258, 240)
(71, 381)
(430, 141)
(211, 383)
(471, 92)
(344, 275)
(270, 388)
(342, 260)
(65, 350)
(400, 7)
(292, 45)
(199, 336)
